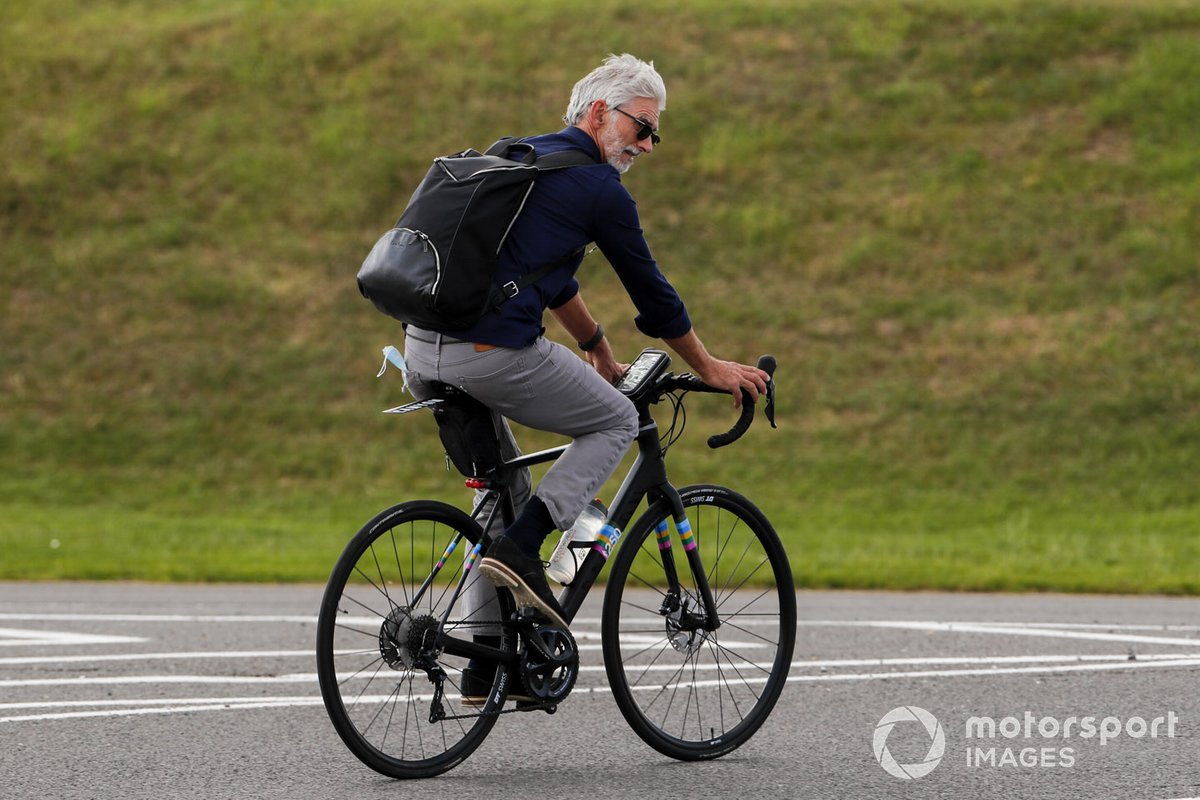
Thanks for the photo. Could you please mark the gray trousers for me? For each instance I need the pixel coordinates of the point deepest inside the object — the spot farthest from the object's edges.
(544, 386)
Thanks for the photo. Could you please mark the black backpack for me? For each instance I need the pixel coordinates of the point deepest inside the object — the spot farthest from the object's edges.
(436, 268)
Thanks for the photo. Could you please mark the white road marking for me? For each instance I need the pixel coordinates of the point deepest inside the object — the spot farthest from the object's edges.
(216, 704)
(228, 704)
(810, 664)
(1026, 630)
(1102, 662)
(827, 664)
(927, 667)
(39, 617)
(992, 626)
(22, 637)
(951, 660)
(159, 680)
(1099, 626)
(93, 659)
(172, 701)
(257, 618)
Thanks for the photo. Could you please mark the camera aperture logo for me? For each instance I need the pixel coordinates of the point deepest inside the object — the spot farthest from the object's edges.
(933, 729)
(1057, 747)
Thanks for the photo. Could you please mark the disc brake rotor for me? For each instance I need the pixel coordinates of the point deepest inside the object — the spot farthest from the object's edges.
(685, 629)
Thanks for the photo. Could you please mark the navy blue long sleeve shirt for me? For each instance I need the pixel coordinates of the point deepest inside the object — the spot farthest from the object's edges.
(567, 209)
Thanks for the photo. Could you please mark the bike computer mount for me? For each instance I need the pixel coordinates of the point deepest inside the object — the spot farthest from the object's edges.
(649, 364)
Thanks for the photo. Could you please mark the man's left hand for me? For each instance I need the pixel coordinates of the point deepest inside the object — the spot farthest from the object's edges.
(602, 359)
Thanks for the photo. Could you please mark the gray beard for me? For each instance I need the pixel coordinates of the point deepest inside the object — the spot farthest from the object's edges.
(613, 151)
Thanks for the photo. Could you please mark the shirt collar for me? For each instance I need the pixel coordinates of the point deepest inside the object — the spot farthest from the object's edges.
(580, 137)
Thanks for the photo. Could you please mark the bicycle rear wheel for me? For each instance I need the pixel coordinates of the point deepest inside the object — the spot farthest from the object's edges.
(380, 637)
(690, 693)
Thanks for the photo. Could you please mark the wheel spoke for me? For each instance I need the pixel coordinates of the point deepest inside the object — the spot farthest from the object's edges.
(728, 651)
(728, 689)
(361, 670)
(722, 592)
(648, 585)
(750, 575)
(382, 582)
(367, 578)
(367, 685)
(772, 642)
(646, 671)
(370, 634)
(363, 606)
(742, 611)
(399, 568)
(653, 613)
(378, 711)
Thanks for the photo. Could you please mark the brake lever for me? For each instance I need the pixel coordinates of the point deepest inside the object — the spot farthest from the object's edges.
(769, 406)
(767, 364)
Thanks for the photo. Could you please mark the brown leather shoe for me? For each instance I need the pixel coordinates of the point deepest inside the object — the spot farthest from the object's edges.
(508, 567)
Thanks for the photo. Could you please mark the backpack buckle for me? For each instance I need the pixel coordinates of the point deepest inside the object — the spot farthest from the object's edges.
(510, 290)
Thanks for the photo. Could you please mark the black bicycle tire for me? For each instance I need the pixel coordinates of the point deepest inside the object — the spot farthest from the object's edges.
(360, 746)
(646, 729)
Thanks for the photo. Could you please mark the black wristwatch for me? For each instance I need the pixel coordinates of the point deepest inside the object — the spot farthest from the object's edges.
(591, 343)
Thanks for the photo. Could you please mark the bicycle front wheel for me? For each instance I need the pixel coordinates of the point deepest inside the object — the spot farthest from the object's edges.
(388, 609)
(688, 692)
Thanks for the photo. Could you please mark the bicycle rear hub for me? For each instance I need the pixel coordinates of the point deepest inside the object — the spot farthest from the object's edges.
(405, 637)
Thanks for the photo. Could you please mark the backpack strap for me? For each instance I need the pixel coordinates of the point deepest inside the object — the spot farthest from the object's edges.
(501, 294)
(515, 149)
(509, 147)
(500, 146)
(565, 158)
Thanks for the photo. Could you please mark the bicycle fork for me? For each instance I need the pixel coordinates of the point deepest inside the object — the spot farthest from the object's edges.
(683, 527)
(572, 597)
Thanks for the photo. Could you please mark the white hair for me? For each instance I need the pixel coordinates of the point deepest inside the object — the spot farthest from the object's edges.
(618, 80)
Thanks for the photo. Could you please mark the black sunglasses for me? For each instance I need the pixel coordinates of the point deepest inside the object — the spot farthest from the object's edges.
(644, 129)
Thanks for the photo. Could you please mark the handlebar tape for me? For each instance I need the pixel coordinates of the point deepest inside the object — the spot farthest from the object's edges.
(767, 364)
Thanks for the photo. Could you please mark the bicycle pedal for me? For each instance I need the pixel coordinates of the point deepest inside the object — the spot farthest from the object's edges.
(528, 615)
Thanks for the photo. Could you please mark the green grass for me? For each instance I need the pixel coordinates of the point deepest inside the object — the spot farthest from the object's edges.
(968, 230)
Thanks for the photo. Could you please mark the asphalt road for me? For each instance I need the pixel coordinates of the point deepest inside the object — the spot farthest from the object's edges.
(155, 691)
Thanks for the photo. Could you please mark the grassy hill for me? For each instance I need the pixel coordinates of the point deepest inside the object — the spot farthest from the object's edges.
(968, 230)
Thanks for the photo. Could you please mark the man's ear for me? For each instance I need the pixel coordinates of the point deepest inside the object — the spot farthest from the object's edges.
(596, 112)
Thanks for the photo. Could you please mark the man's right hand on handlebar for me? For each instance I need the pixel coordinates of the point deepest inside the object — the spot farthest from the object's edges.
(734, 377)
(728, 375)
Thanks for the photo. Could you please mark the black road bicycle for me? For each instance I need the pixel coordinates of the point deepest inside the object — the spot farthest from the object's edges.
(697, 627)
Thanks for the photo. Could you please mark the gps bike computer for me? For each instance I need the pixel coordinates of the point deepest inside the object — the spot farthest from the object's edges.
(649, 364)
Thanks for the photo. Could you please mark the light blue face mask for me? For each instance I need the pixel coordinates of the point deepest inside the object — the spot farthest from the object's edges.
(390, 353)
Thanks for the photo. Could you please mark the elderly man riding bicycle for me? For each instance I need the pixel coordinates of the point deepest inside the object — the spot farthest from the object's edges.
(505, 362)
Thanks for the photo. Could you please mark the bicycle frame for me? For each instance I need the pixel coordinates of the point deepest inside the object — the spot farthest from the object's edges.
(646, 479)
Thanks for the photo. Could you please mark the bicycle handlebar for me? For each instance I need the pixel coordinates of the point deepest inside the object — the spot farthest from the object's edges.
(767, 364)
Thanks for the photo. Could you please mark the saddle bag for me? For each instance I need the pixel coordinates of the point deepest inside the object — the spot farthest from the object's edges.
(468, 433)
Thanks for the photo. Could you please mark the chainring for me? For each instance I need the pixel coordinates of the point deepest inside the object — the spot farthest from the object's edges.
(549, 664)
